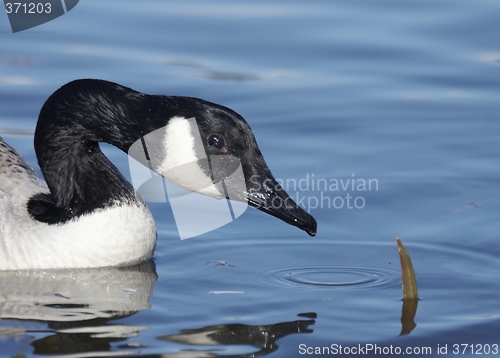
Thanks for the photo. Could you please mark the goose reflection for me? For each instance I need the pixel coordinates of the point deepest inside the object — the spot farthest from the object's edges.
(81, 309)
(261, 337)
(77, 305)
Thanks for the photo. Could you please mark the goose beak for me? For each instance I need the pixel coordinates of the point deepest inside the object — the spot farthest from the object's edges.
(267, 195)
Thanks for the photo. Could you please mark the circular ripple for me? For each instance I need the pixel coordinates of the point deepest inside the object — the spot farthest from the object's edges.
(334, 277)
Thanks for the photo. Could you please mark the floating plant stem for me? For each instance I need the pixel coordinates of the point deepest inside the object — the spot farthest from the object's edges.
(410, 291)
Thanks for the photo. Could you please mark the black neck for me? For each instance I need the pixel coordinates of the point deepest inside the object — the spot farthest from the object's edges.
(71, 124)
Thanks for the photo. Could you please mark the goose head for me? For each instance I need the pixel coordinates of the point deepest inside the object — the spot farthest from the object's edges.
(201, 146)
(210, 149)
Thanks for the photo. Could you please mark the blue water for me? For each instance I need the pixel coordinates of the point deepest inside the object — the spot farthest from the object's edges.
(405, 94)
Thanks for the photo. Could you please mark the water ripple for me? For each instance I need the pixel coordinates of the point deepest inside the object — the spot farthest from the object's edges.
(334, 277)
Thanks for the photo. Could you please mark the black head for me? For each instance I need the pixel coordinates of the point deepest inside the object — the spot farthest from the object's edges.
(210, 149)
(198, 145)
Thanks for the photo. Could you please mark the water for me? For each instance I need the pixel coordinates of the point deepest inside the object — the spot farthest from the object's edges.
(401, 93)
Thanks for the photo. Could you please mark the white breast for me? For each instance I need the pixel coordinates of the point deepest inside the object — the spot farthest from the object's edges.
(112, 236)
(107, 237)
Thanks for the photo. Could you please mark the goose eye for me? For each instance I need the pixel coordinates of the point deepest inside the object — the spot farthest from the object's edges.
(216, 141)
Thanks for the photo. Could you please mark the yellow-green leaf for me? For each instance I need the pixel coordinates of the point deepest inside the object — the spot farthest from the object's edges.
(410, 291)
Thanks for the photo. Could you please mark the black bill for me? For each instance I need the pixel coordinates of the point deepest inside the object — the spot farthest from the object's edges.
(267, 195)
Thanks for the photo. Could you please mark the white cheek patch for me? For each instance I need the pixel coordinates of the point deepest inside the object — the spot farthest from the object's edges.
(183, 149)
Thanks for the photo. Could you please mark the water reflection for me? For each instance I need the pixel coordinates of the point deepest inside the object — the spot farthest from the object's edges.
(77, 305)
(261, 337)
(80, 308)
(408, 313)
